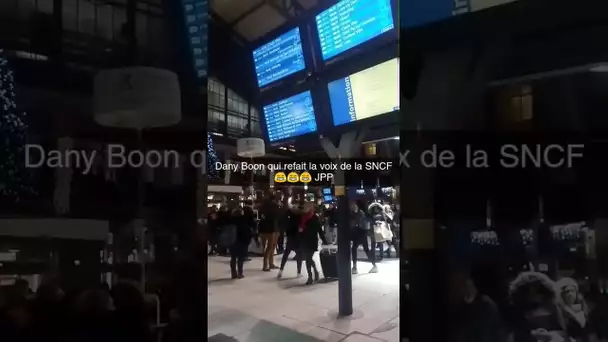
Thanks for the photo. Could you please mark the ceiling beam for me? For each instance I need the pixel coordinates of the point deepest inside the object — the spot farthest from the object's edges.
(294, 7)
(247, 13)
(282, 11)
(297, 6)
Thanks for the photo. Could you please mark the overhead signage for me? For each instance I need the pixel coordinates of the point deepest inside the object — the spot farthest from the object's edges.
(279, 58)
(348, 24)
(290, 117)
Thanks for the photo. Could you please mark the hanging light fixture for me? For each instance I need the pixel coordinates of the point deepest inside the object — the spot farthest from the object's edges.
(488, 214)
(541, 209)
(485, 238)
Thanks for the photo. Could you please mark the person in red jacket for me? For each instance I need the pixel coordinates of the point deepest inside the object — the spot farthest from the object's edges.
(310, 230)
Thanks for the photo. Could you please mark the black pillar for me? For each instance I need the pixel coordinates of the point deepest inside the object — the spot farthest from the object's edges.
(444, 95)
(130, 32)
(349, 147)
(58, 31)
(345, 281)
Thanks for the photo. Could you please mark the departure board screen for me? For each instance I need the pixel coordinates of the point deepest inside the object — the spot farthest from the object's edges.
(279, 58)
(290, 117)
(352, 22)
(365, 94)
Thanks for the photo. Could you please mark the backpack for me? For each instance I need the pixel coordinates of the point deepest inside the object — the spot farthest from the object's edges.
(227, 236)
(382, 231)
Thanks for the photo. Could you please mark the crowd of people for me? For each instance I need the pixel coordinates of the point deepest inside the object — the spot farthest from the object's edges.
(50, 314)
(539, 309)
(102, 313)
(282, 228)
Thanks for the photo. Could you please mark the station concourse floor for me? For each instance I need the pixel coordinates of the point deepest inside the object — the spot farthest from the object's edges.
(261, 308)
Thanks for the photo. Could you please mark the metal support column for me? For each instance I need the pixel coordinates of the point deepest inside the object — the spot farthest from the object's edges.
(140, 221)
(131, 32)
(348, 147)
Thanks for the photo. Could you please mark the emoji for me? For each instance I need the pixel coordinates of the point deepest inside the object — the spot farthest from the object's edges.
(280, 177)
(293, 177)
(305, 177)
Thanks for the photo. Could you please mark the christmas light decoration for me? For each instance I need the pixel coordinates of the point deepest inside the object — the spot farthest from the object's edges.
(527, 236)
(571, 231)
(211, 159)
(485, 238)
(14, 177)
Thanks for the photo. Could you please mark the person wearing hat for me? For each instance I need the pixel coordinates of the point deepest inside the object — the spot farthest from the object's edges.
(573, 305)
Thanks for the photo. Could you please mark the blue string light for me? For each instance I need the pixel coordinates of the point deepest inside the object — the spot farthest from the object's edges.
(211, 159)
(14, 177)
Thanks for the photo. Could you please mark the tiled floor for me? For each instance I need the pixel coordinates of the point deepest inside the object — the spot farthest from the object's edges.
(262, 308)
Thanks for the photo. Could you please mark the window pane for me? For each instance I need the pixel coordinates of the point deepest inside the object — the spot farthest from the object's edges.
(516, 109)
(255, 128)
(141, 26)
(216, 116)
(104, 21)
(86, 17)
(119, 20)
(70, 15)
(215, 94)
(216, 120)
(9, 10)
(216, 100)
(156, 34)
(370, 150)
(527, 106)
(44, 6)
(237, 104)
(237, 126)
(26, 9)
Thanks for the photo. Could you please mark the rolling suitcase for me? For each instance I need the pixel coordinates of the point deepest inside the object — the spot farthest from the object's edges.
(329, 261)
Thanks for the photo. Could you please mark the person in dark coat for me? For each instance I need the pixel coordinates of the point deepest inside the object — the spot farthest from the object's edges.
(213, 228)
(14, 320)
(292, 222)
(360, 231)
(476, 317)
(48, 311)
(310, 230)
(538, 315)
(94, 320)
(252, 218)
(223, 220)
(244, 232)
(130, 312)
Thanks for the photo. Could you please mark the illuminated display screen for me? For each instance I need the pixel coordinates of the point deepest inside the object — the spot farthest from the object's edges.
(414, 13)
(352, 22)
(365, 94)
(326, 191)
(328, 198)
(279, 58)
(196, 17)
(290, 117)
